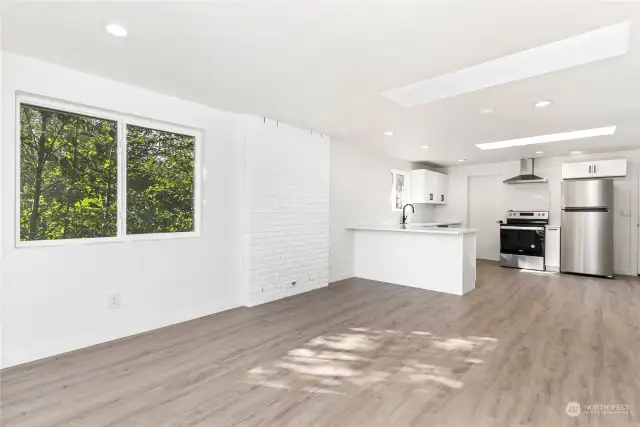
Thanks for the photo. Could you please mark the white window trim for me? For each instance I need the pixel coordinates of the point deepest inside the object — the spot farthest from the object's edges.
(405, 192)
(123, 120)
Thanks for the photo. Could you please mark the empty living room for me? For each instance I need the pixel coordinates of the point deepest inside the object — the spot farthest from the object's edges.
(319, 213)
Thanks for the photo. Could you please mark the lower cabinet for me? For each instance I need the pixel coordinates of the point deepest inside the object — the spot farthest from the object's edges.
(552, 248)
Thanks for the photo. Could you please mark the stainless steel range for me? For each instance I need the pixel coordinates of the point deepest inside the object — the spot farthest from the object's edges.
(522, 239)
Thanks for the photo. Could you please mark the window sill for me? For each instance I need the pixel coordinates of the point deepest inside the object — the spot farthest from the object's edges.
(102, 240)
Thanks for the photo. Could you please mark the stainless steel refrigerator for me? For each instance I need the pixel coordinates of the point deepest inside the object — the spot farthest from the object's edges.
(586, 245)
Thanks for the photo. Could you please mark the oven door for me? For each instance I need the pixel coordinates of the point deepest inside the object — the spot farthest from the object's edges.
(522, 240)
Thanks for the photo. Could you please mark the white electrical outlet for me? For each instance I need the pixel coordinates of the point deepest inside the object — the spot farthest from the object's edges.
(114, 301)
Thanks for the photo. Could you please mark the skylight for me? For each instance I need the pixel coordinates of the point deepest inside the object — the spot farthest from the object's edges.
(581, 49)
(554, 137)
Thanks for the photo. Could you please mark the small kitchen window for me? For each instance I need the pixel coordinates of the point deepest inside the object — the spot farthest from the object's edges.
(399, 189)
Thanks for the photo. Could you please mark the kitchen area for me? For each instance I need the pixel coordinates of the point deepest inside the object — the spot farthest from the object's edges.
(565, 217)
(583, 241)
(395, 252)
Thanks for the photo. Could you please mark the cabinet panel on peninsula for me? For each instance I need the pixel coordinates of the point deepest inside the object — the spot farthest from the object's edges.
(425, 257)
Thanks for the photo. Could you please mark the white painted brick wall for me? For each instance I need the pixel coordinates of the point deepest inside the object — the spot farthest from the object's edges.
(287, 205)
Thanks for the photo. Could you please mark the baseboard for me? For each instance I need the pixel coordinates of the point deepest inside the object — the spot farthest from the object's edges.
(42, 355)
(271, 297)
(342, 276)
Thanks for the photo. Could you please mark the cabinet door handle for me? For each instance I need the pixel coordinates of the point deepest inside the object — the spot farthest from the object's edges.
(590, 166)
(594, 169)
(430, 196)
(442, 197)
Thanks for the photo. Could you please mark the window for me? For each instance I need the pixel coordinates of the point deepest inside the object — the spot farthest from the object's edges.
(77, 180)
(68, 175)
(160, 177)
(399, 190)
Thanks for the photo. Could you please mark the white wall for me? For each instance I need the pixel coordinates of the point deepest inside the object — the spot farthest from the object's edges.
(360, 194)
(2, 201)
(55, 298)
(287, 204)
(547, 197)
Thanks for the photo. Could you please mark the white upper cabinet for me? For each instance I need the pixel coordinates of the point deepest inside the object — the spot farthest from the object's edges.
(595, 169)
(576, 170)
(443, 185)
(420, 188)
(604, 168)
(428, 187)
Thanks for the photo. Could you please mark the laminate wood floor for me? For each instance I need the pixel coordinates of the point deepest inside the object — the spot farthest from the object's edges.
(359, 353)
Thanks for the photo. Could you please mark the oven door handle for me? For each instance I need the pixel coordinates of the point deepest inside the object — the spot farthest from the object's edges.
(513, 227)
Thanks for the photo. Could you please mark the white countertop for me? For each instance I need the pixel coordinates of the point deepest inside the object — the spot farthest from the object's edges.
(435, 224)
(429, 228)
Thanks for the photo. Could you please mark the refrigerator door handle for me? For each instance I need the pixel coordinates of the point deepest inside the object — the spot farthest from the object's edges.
(593, 209)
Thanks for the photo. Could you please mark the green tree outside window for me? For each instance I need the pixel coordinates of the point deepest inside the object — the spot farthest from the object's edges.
(69, 177)
(160, 181)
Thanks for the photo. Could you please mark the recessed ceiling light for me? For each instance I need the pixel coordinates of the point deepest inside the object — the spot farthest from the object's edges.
(577, 152)
(542, 103)
(538, 152)
(554, 137)
(461, 160)
(389, 133)
(116, 30)
(425, 146)
(487, 110)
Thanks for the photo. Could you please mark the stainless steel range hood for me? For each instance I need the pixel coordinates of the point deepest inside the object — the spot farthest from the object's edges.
(526, 174)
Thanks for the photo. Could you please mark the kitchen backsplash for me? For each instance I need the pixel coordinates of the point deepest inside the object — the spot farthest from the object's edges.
(527, 197)
(424, 213)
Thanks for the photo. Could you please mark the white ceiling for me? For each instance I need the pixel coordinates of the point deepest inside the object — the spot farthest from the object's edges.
(322, 65)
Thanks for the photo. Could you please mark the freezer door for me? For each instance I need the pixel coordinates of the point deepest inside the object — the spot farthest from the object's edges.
(588, 193)
(586, 244)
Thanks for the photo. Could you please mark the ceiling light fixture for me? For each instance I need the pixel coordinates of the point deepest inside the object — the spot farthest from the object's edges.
(487, 111)
(461, 160)
(542, 103)
(116, 30)
(554, 137)
(538, 152)
(577, 152)
(389, 133)
(425, 146)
